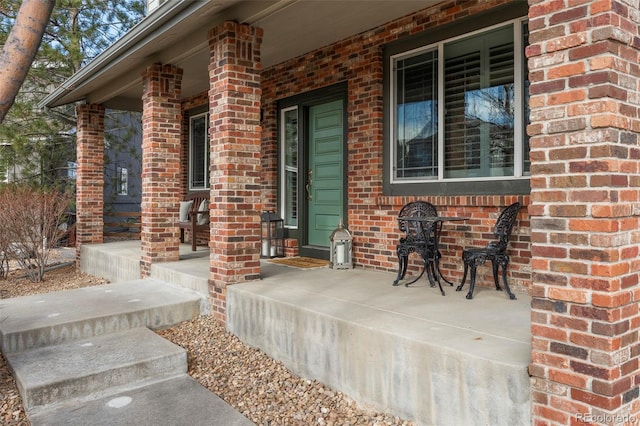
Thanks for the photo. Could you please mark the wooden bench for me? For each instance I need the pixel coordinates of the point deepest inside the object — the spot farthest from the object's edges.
(125, 225)
(191, 217)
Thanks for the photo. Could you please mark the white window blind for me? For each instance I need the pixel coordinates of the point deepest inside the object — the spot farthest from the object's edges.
(479, 105)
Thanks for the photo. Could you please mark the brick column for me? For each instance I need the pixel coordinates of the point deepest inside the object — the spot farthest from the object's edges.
(161, 132)
(89, 176)
(234, 102)
(583, 63)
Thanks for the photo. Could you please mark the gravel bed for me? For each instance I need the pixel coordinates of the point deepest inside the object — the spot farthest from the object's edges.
(262, 389)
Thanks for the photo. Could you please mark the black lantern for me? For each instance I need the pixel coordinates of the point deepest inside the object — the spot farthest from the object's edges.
(340, 255)
(271, 235)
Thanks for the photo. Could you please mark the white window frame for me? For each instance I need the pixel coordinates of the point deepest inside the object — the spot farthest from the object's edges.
(72, 170)
(122, 181)
(519, 130)
(206, 153)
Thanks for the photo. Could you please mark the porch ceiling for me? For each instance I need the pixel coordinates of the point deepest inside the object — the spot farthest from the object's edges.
(176, 33)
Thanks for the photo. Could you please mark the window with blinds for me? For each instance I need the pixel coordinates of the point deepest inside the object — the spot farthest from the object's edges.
(479, 105)
(417, 116)
(463, 107)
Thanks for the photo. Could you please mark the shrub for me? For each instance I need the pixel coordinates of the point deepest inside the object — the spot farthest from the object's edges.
(31, 222)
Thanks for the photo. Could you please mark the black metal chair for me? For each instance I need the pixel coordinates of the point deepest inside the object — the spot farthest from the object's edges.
(495, 251)
(415, 240)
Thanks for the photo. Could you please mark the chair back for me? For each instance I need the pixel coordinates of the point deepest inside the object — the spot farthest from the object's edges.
(415, 209)
(413, 230)
(504, 226)
(197, 198)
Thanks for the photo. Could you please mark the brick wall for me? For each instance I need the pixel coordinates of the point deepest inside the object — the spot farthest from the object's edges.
(584, 73)
(234, 103)
(89, 176)
(161, 155)
(371, 216)
(481, 212)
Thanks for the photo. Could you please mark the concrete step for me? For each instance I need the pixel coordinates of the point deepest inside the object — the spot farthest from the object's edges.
(117, 262)
(88, 357)
(51, 319)
(192, 272)
(173, 402)
(54, 374)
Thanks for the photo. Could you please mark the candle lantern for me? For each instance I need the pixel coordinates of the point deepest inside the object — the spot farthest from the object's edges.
(271, 235)
(340, 255)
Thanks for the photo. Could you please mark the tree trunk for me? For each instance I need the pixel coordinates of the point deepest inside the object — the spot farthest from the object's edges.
(21, 48)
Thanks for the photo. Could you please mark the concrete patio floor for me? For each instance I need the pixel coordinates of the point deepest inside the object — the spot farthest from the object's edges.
(410, 351)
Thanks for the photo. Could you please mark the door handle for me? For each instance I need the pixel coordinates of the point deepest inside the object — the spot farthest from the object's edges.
(308, 185)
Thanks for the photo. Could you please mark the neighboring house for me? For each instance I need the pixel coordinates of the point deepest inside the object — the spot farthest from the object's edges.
(122, 175)
(47, 149)
(123, 159)
(122, 167)
(348, 110)
(60, 173)
(9, 171)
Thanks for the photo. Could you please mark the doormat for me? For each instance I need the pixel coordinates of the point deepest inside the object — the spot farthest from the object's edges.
(300, 262)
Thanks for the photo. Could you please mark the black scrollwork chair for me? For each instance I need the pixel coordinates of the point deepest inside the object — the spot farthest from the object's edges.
(414, 240)
(495, 251)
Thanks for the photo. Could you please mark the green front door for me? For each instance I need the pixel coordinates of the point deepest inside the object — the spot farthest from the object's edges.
(324, 188)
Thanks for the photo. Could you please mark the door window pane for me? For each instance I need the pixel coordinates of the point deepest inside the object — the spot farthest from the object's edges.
(289, 126)
(199, 152)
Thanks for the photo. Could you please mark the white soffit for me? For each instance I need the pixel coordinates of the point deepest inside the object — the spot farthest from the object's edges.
(291, 28)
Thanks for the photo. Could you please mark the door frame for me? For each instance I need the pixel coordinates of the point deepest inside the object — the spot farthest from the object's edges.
(304, 101)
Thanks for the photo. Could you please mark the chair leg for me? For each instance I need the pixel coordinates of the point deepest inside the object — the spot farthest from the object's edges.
(438, 257)
(433, 275)
(402, 267)
(472, 283)
(464, 275)
(415, 279)
(182, 235)
(421, 273)
(494, 268)
(428, 267)
(425, 262)
(193, 240)
(504, 262)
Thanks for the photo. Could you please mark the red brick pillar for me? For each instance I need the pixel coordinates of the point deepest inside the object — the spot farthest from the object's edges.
(89, 176)
(583, 69)
(161, 131)
(234, 102)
